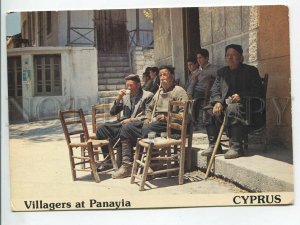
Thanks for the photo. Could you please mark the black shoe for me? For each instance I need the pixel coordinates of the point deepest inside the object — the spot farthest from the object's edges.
(104, 167)
(209, 151)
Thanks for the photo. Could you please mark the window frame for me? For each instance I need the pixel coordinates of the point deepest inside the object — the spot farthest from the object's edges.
(45, 68)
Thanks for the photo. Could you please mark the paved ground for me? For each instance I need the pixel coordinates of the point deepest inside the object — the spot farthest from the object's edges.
(41, 171)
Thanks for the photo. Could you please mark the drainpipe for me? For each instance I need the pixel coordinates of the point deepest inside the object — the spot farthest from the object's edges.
(68, 28)
(137, 12)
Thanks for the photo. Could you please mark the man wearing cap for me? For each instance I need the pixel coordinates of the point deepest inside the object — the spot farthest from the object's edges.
(160, 102)
(132, 102)
(239, 83)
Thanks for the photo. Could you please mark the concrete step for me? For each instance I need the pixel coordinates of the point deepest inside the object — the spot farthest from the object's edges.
(104, 94)
(110, 58)
(106, 100)
(110, 87)
(114, 63)
(117, 81)
(112, 75)
(119, 69)
(257, 170)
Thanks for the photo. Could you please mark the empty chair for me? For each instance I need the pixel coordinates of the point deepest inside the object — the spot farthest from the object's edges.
(82, 150)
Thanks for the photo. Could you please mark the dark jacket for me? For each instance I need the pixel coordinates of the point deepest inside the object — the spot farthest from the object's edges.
(142, 100)
(250, 90)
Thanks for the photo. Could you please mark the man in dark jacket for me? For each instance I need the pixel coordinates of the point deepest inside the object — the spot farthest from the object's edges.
(241, 85)
(133, 103)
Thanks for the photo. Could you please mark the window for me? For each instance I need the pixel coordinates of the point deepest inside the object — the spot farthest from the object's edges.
(14, 76)
(47, 75)
(49, 25)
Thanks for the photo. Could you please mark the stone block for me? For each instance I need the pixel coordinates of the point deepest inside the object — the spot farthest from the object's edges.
(218, 51)
(205, 19)
(245, 18)
(218, 24)
(233, 21)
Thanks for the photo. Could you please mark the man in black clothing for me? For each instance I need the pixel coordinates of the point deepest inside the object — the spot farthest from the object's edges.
(241, 85)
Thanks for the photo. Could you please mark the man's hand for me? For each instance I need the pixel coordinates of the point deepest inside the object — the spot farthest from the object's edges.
(121, 93)
(218, 107)
(235, 98)
(161, 117)
(126, 121)
(146, 121)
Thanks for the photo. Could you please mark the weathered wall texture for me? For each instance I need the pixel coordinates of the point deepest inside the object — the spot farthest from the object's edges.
(274, 59)
(264, 34)
(79, 81)
(168, 39)
(141, 59)
(220, 26)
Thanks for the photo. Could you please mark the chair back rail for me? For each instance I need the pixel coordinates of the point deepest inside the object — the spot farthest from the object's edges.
(100, 114)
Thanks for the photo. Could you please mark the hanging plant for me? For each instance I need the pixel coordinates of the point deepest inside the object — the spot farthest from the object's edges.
(148, 13)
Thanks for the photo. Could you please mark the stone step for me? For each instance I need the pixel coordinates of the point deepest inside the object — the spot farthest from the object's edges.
(124, 63)
(106, 100)
(112, 75)
(116, 69)
(113, 59)
(111, 81)
(110, 87)
(104, 94)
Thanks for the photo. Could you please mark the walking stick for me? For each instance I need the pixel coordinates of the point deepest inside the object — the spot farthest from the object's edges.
(216, 147)
(155, 105)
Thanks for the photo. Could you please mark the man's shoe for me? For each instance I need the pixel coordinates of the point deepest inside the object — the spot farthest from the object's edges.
(104, 167)
(232, 154)
(122, 172)
(209, 151)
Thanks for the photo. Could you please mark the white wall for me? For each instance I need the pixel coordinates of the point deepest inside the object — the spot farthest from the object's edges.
(79, 81)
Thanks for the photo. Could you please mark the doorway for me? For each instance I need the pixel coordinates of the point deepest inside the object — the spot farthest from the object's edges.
(111, 31)
(15, 99)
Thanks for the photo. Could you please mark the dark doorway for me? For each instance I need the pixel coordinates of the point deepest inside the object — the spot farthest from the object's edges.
(111, 31)
(15, 99)
(191, 31)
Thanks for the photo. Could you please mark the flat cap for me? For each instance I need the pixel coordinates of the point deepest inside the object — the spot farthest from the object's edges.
(236, 47)
(133, 77)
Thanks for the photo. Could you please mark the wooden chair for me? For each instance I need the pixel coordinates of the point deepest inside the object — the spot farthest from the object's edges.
(100, 115)
(189, 136)
(169, 151)
(77, 136)
(262, 131)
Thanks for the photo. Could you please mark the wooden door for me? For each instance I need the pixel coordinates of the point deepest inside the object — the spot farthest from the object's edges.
(15, 100)
(111, 31)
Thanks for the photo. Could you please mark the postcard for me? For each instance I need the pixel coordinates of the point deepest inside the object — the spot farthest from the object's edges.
(80, 62)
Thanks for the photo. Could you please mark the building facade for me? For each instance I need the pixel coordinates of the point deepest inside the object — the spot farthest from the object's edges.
(263, 31)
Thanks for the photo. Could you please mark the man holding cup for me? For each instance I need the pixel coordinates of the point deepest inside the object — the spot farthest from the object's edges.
(132, 101)
(235, 84)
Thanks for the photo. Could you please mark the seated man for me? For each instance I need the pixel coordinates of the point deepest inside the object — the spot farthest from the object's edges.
(239, 83)
(133, 105)
(157, 110)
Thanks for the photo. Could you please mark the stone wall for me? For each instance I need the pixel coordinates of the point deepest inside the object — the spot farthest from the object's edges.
(274, 59)
(220, 26)
(263, 31)
(168, 39)
(141, 59)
